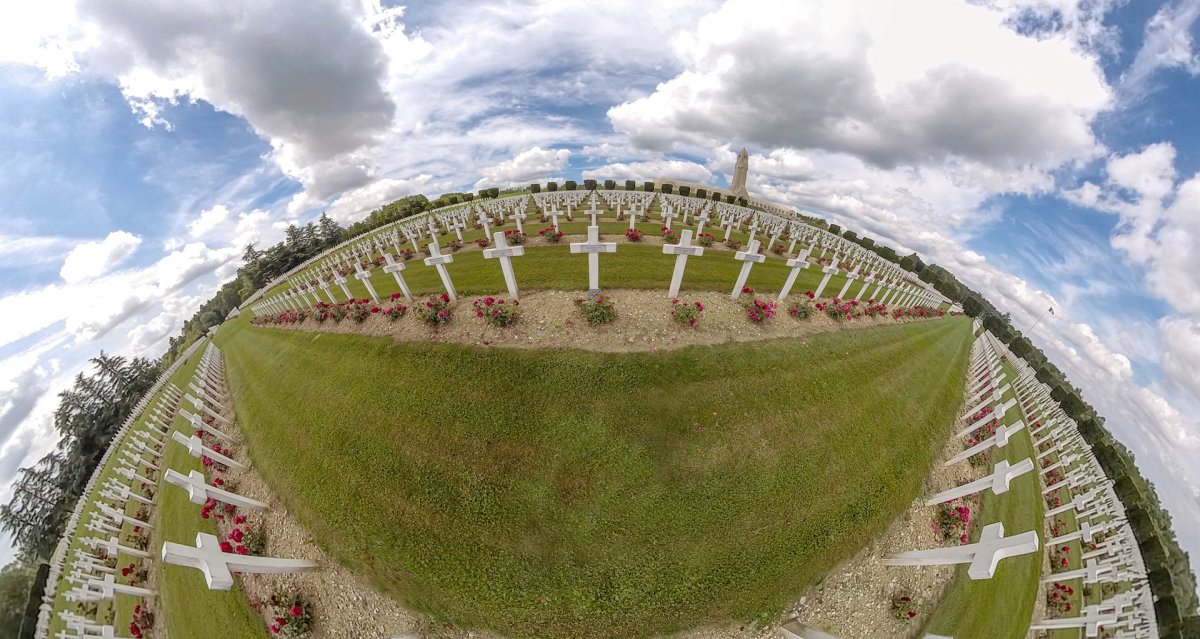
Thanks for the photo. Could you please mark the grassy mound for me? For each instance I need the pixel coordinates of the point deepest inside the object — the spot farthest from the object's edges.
(581, 494)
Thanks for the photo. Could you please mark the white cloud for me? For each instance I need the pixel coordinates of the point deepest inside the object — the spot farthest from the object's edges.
(354, 205)
(1166, 43)
(652, 170)
(208, 220)
(921, 84)
(90, 260)
(530, 165)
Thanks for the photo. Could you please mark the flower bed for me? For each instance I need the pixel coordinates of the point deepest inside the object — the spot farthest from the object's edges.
(435, 311)
(685, 313)
(598, 310)
(551, 235)
(633, 235)
(757, 310)
(952, 521)
(494, 311)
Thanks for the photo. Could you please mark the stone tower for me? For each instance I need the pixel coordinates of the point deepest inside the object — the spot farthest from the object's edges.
(738, 186)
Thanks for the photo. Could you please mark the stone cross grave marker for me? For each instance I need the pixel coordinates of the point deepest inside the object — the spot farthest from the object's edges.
(593, 247)
(829, 272)
(394, 267)
(505, 253)
(199, 492)
(1090, 621)
(218, 567)
(799, 263)
(196, 449)
(341, 281)
(983, 556)
(999, 440)
(439, 261)
(701, 220)
(748, 258)
(681, 251)
(999, 481)
(365, 278)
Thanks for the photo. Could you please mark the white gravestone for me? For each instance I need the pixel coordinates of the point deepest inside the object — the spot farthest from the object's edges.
(829, 272)
(999, 481)
(395, 268)
(196, 448)
(681, 252)
(748, 258)
(593, 247)
(199, 491)
(439, 261)
(365, 278)
(505, 253)
(983, 556)
(798, 264)
(218, 567)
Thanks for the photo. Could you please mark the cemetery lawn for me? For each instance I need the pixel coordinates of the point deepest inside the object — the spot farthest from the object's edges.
(570, 493)
(1001, 607)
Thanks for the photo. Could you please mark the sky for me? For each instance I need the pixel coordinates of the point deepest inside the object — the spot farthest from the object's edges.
(1047, 152)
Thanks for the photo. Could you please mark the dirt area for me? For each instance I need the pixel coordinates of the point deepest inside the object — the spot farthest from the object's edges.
(551, 319)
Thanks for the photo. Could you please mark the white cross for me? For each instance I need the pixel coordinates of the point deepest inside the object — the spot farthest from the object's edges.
(829, 272)
(196, 448)
(667, 217)
(457, 230)
(218, 567)
(983, 556)
(999, 440)
(748, 258)
(394, 268)
(365, 278)
(798, 264)
(199, 492)
(204, 407)
(1092, 619)
(439, 261)
(701, 220)
(484, 221)
(113, 546)
(593, 247)
(198, 424)
(851, 275)
(519, 216)
(341, 281)
(505, 253)
(1090, 573)
(681, 251)
(592, 210)
(999, 481)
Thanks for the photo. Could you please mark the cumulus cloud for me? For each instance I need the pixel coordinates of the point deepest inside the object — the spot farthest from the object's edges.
(652, 170)
(208, 220)
(89, 260)
(307, 78)
(529, 165)
(912, 85)
(18, 395)
(353, 205)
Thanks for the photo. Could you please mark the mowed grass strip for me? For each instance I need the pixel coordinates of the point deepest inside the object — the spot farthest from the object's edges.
(1001, 607)
(570, 493)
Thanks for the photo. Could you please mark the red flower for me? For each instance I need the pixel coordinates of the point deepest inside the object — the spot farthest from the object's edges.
(236, 534)
(296, 610)
(912, 613)
(242, 550)
(226, 546)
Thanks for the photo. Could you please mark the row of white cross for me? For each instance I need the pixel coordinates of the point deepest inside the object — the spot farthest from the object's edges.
(94, 579)
(298, 298)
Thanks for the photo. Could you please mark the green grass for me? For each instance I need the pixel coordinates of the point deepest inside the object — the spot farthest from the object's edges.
(1001, 607)
(571, 493)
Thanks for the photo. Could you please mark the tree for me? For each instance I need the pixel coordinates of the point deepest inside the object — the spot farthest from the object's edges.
(648, 187)
(569, 185)
(835, 229)
(908, 263)
(552, 186)
(16, 579)
(702, 194)
(328, 231)
(589, 185)
(685, 190)
(850, 235)
(630, 185)
(666, 188)
(535, 188)
(610, 185)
